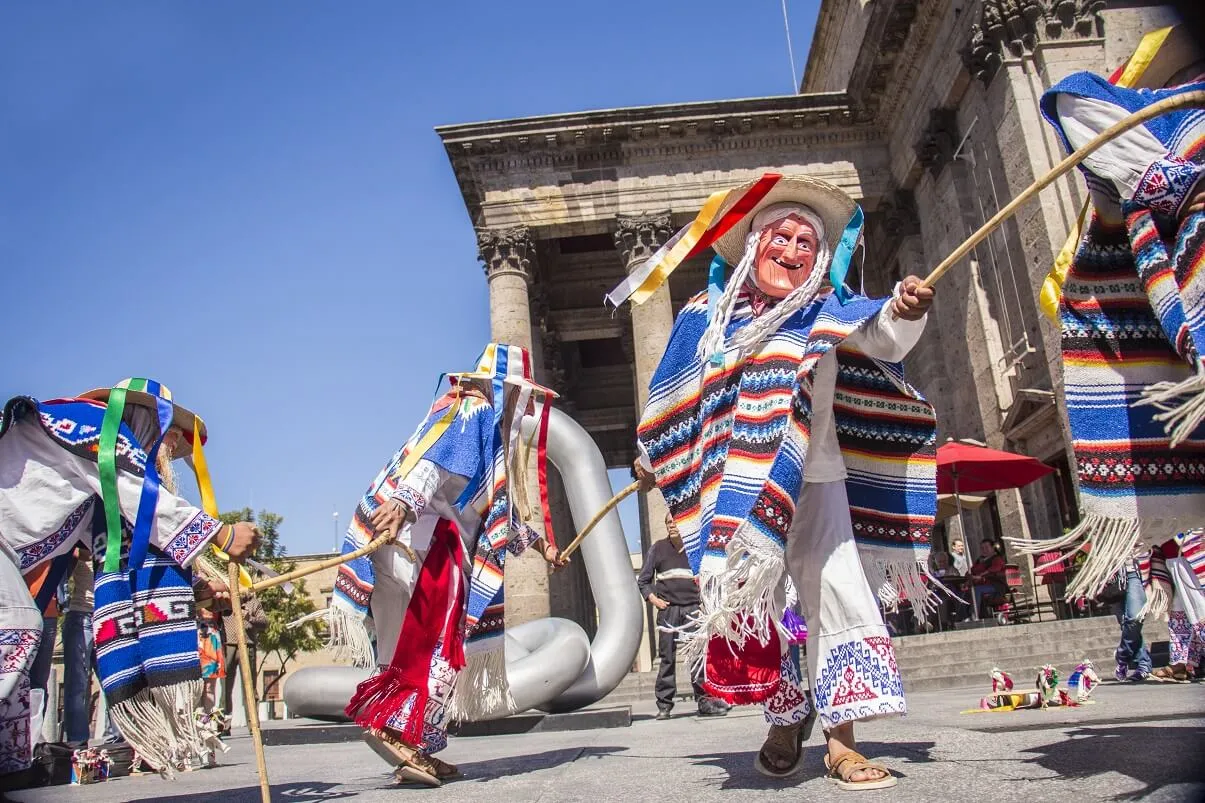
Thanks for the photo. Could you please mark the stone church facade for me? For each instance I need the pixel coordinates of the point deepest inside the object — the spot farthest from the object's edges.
(925, 111)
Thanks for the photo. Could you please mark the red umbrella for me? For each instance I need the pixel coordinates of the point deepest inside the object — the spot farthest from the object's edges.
(965, 468)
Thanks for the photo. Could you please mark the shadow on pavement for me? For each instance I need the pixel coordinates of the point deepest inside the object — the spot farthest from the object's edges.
(742, 775)
(302, 792)
(511, 766)
(1156, 756)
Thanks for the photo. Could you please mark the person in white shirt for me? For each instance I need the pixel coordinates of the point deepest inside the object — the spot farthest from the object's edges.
(785, 442)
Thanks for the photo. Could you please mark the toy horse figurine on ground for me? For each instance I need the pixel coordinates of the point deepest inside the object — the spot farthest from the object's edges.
(1001, 682)
(1049, 692)
(1083, 681)
(210, 726)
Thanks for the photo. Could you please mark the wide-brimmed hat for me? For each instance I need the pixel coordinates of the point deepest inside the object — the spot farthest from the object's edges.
(1178, 51)
(182, 418)
(506, 363)
(831, 203)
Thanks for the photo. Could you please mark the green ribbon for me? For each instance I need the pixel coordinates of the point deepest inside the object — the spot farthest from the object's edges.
(106, 460)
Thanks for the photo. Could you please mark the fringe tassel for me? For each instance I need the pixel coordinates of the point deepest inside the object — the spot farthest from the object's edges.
(346, 635)
(896, 581)
(142, 724)
(1157, 601)
(481, 690)
(178, 703)
(1113, 541)
(1182, 403)
(743, 605)
(379, 700)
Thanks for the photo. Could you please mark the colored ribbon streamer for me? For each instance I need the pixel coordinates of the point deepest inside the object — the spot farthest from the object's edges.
(1127, 76)
(542, 469)
(106, 461)
(843, 253)
(148, 502)
(689, 241)
(209, 503)
(715, 284)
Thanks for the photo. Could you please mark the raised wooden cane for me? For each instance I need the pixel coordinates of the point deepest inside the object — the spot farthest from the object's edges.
(249, 698)
(367, 549)
(599, 516)
(1186, 100)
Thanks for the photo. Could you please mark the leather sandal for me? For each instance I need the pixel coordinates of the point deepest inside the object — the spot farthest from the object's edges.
(412, 766)
(840, 771)
(787, 742)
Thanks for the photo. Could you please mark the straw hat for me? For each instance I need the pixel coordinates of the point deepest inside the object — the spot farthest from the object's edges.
(1179, 51)
(829, 202)
(182, 417)
(509, 364)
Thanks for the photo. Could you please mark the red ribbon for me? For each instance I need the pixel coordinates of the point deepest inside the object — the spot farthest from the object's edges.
(542, 468)
(737, 213)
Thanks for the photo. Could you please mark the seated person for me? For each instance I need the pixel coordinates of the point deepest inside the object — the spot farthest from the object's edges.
(987, 574)
(942, 568)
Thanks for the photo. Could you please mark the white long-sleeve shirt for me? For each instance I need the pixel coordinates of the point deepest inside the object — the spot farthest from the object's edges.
(1126, 161)
(431, 494)
(48, 495)
(882, 337)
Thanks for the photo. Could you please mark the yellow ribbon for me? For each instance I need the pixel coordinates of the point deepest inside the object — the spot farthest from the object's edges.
(427, 441)
(208, 502)
(666, 266)
(1052, 285)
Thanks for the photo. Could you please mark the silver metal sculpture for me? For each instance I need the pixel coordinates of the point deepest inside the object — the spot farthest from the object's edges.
(550, 663)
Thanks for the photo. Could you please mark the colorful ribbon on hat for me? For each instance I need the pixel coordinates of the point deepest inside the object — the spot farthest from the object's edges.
(690, 241)
(106, 460)
(1125, 76)
(209, 504)
(843, 253)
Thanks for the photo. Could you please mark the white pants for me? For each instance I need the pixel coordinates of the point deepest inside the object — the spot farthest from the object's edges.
(850, 658)
(20, 634)
(396, 576)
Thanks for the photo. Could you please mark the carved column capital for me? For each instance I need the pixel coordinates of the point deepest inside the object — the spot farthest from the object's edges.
(637, 237)
(1014, 27)
(506, 251)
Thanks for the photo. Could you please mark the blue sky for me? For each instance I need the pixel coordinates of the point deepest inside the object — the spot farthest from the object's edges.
(247, 201)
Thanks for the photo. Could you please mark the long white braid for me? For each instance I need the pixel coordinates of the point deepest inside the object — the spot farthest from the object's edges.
(751, 336)
(712, 341)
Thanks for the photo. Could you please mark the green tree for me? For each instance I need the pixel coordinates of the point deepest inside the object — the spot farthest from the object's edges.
(281, 607)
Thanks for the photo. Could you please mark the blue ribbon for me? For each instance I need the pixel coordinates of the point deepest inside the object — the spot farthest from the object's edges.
(715, 284)
(844, 253)
(148, 501)
(715, 288)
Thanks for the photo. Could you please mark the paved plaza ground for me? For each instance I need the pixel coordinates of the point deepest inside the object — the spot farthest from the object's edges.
(1144, 742)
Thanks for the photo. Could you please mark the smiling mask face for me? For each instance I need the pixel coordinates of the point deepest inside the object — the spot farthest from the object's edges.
(786, 255)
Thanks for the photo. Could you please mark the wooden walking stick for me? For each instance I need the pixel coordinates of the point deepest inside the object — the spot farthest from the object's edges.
(249, 699)
(367, 549)
(1187, 100)
(599, 516)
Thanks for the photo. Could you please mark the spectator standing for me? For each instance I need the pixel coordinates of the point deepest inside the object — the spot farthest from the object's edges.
(668, 584)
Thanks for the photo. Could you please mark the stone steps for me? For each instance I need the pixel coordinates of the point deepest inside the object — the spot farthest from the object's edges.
(965, 657)
(961, 658)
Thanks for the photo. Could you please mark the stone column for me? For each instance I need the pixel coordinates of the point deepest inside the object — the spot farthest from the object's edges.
(637, 237)
(506, 255)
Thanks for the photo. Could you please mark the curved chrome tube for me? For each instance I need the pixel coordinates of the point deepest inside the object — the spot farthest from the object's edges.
(608, 564)
(549, 663)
